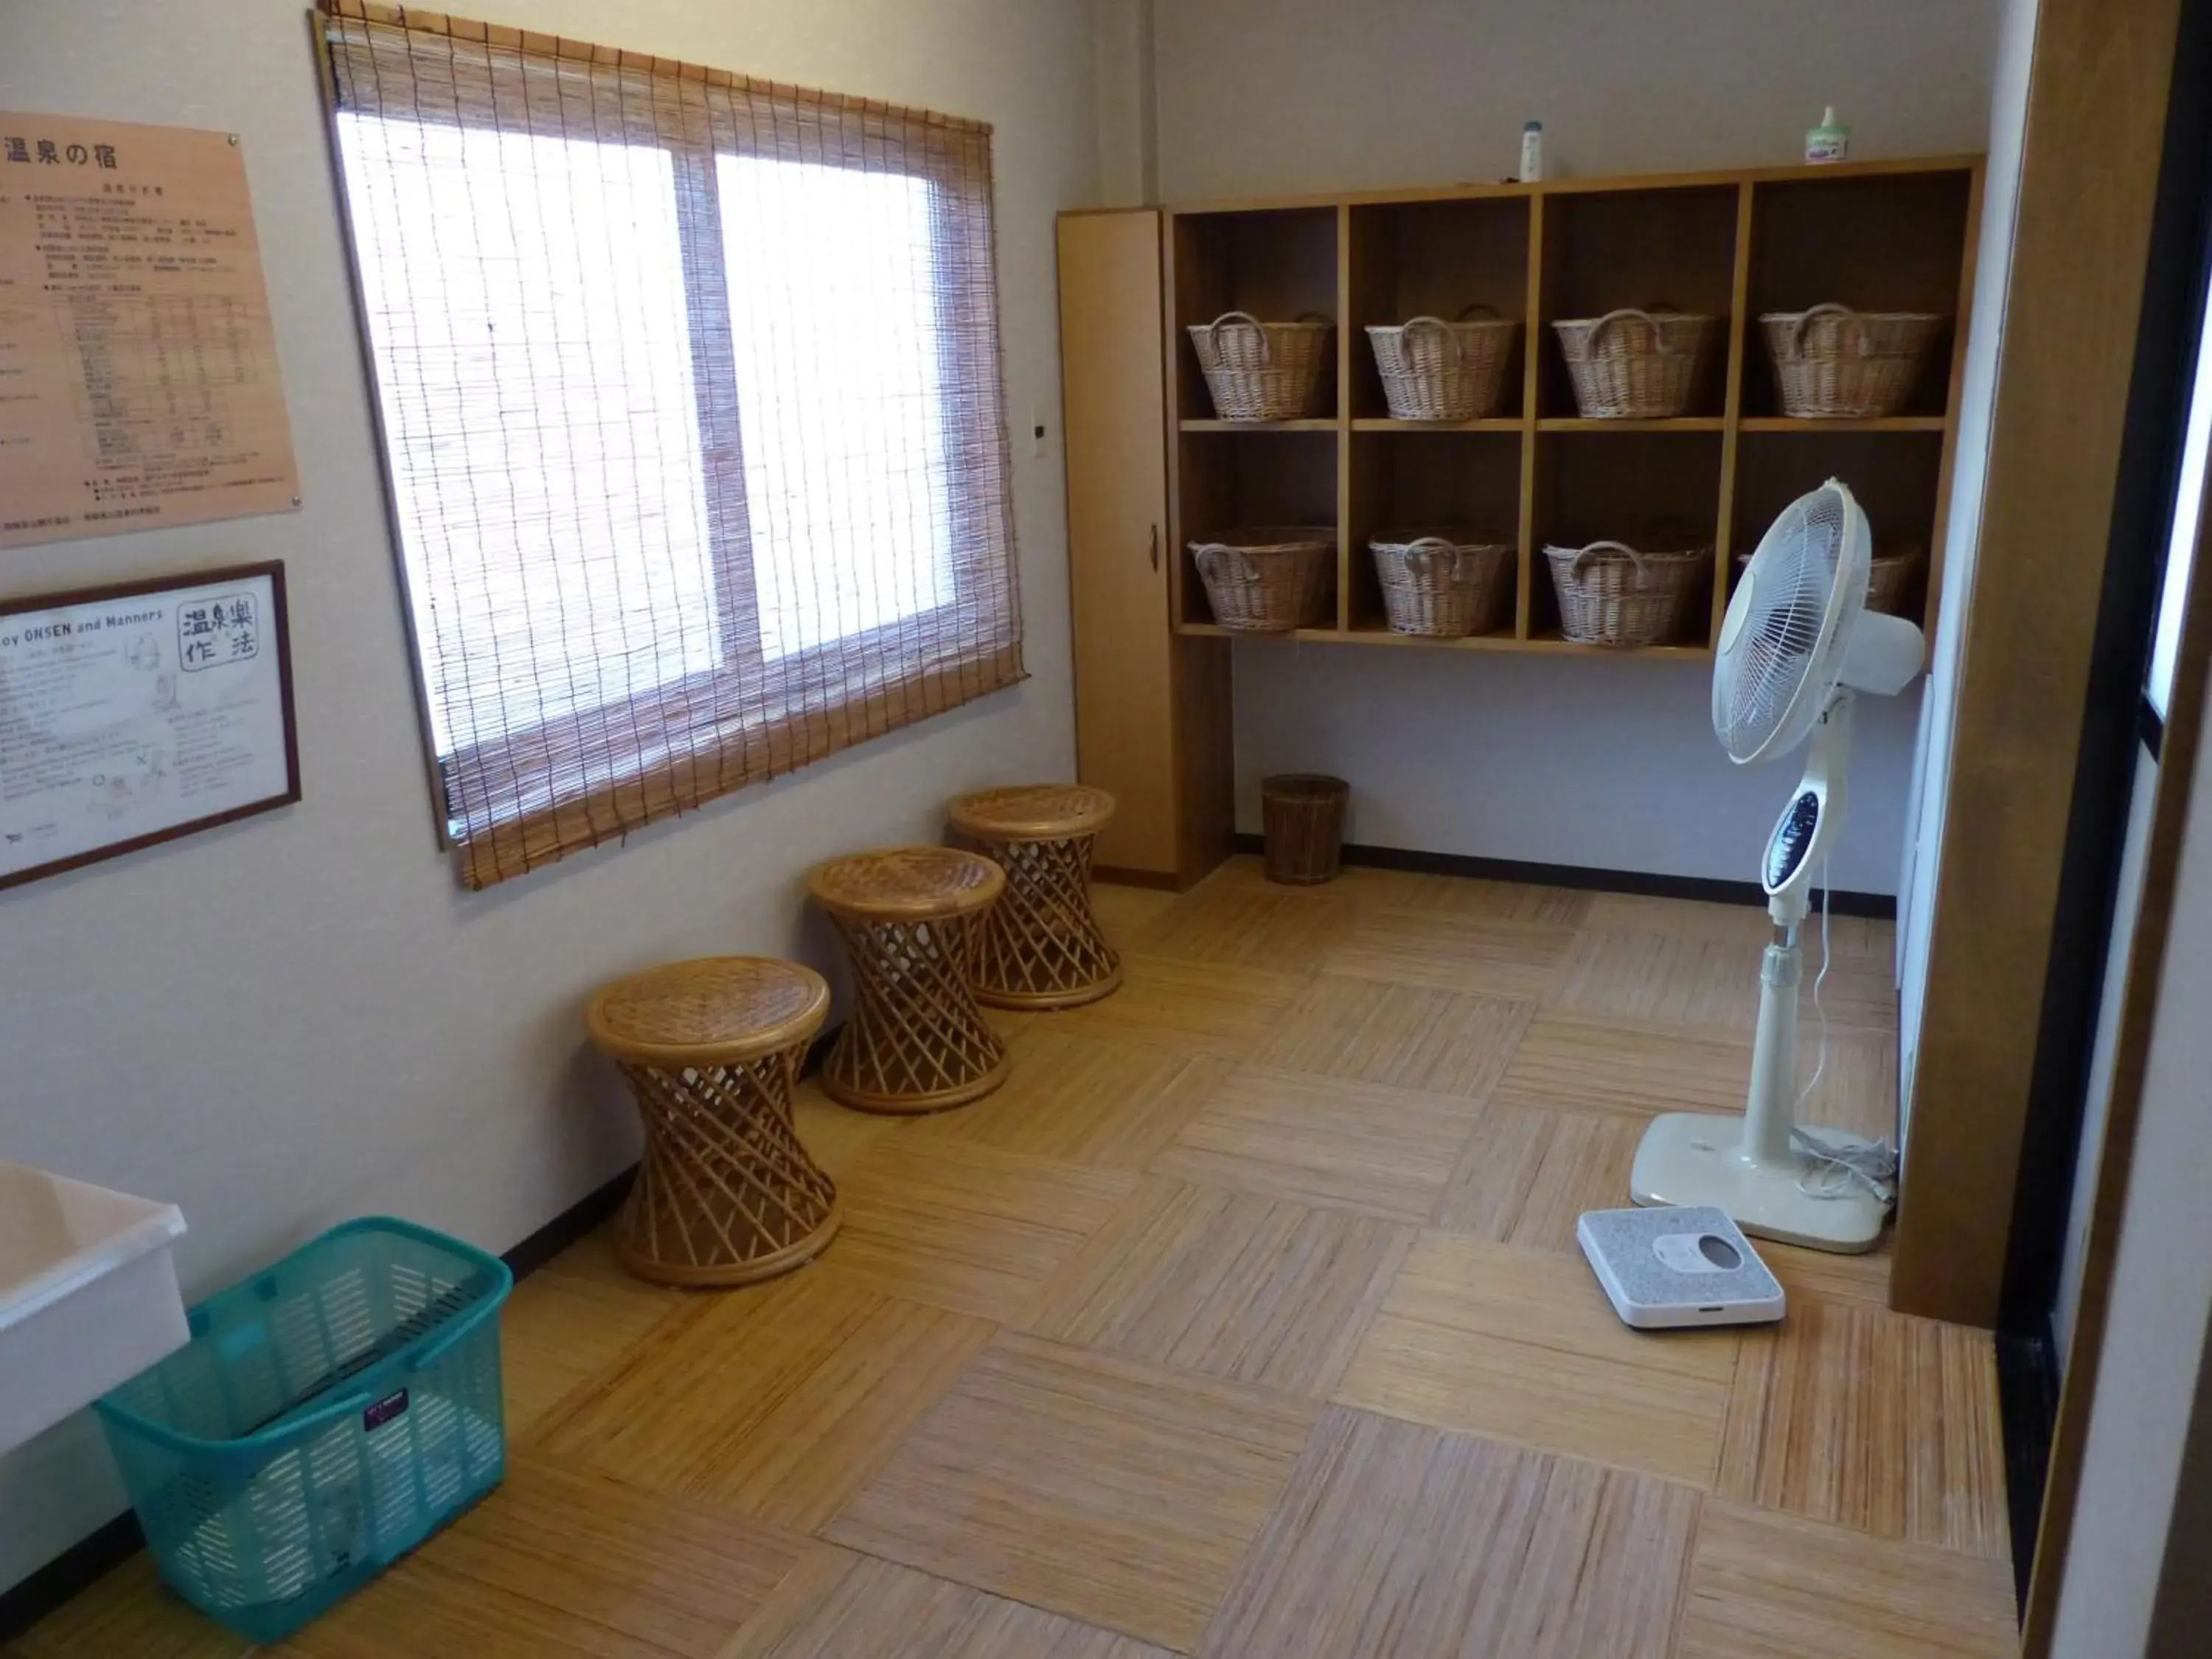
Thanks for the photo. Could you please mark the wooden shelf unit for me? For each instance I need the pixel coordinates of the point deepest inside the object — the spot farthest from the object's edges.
(1878, 235)
(1151, 469)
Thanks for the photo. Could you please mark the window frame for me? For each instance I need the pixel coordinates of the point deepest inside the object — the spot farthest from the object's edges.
(763, 716)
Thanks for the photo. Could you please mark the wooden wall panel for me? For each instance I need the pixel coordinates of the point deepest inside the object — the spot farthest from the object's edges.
(2096, 115)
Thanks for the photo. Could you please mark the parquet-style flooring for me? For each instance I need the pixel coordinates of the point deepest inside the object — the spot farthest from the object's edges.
(1245, 1322)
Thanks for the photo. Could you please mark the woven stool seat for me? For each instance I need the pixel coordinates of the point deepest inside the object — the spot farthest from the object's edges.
(1040, 946)
(1033, 812)
(725, 1193)
(917, 1041)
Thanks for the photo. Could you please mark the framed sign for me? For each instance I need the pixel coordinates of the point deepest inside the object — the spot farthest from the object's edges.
(138, 375)
(137, 712)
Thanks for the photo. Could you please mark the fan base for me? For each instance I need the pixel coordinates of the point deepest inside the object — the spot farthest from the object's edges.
(1691, 1158)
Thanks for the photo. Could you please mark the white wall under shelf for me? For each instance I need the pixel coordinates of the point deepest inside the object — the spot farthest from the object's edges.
(1509, 756)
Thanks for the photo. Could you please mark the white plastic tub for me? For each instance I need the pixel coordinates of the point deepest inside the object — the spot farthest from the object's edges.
(88, 1295)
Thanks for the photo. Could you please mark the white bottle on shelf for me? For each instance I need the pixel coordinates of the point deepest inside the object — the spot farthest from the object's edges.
(1531, 152)
(1829, 141)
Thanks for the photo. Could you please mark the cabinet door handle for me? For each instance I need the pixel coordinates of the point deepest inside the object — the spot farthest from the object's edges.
(1156, 547)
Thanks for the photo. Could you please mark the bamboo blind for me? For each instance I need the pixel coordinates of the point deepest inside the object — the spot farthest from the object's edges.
(689, 392)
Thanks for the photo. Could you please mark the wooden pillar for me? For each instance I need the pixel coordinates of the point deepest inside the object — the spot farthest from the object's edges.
(2095, 121)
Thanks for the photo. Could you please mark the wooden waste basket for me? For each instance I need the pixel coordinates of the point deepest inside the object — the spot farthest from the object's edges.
(1303, 815)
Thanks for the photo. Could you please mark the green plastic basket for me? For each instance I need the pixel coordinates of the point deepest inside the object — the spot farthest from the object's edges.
(328, 1414)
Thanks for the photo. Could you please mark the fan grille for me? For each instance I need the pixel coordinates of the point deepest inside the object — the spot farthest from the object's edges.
(1777, 620)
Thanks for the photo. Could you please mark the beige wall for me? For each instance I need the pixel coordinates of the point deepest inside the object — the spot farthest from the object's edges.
(302, 1018)
(1259, 97)
(1128, 128)
(1606, 765)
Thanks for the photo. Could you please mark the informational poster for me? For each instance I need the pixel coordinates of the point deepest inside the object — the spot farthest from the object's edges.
(138, 376)
(133, 714)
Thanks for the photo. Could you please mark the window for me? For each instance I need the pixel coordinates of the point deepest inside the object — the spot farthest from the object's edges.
(688, 389)
(2181, 536)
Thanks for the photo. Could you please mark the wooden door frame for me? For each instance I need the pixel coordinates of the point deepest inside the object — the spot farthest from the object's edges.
(2177, 768)
(2183, 1595)
(2070, 379)
(2092, 143)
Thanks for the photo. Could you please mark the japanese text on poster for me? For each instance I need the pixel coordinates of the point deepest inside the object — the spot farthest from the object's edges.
(138, 374)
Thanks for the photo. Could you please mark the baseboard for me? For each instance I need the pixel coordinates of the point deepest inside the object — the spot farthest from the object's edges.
(1880, 906)
(568, 1227)
(74, 1570)
(91, 1558)
(2028, 1412)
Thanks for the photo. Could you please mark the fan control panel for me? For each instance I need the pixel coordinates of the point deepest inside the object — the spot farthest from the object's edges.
(1792, 839)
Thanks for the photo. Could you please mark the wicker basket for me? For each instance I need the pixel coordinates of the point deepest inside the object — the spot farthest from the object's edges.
(1445, 584)
(1611, 594)
(1260, 371)
(1433, 370)
(1832, 363)
(1303, 813)
(1636, 365)
(1268, 581)
(1889, 578)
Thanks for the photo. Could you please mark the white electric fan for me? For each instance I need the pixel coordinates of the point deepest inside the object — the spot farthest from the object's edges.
(1797, 642)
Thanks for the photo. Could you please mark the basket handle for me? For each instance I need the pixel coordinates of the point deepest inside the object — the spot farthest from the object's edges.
(1421, 555)
(1647, 318)
(1473, 307)
(1797, 329)
(1213, 332)
(1212, 557)
(1634, 557)
(1451, 334)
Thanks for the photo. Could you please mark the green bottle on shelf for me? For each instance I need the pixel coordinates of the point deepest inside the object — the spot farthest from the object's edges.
(1830, 141)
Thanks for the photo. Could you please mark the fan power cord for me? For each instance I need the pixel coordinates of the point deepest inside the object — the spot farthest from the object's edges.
(1840, 1167)
(1820, 984)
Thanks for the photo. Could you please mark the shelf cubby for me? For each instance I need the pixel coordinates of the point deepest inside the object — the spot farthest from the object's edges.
(1897, 478)
(1606, 249)
(1277, 263)
(1656, 487)
(1410, 259)
(1235, 480)
(1882, 241)
(1405, 481)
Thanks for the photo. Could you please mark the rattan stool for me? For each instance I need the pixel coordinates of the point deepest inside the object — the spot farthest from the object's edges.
(916, 1040)
(724, 1194)
(1041, 947)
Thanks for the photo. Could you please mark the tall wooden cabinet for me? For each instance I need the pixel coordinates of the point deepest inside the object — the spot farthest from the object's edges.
(1152, 706)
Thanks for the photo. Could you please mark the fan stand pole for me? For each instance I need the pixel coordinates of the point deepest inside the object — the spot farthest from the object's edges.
(1770, 1111)
(1746, 1167)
